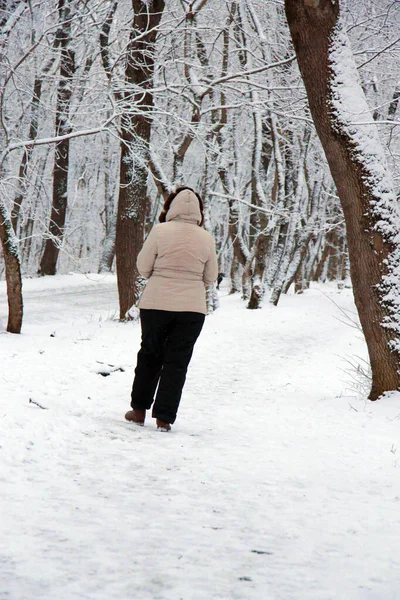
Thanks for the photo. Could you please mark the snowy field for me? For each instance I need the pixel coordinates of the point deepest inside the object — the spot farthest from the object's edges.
(277, 482)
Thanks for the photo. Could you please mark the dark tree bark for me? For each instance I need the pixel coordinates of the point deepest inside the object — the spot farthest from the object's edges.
(321, 266)
(48, 264)
(394, 103)
(7, 236)
(259, 253)
(135, 134)
(13, 272)
(313, 25)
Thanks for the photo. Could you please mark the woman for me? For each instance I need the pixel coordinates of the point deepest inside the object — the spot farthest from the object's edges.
(178, 259)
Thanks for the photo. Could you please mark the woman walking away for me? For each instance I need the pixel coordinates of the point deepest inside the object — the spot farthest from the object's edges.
(178, 259)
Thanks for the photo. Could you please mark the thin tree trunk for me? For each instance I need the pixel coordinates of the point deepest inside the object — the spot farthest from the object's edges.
(27, 232)
(110, 217)
(321, 264)
(27, 155)
(279, 224)
(108, 253)
(8, 239)
(240, 250)
(48, 264)
(293, 247)
(13, 271)
(363, 185)
(236, 275)
(259, 252)
(394, 103)
(301, 281)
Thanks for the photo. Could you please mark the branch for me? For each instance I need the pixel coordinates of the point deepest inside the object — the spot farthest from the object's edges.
(259, 208)
(55, 139)
(104, 39)
(187, 139)
(162, 184)
(199, 6)
(378, 53)
(37, 404)
(250, 72)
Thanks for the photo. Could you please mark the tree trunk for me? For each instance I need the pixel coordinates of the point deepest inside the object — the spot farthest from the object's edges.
(48, 264)
(28, 250)
(13, 272)
(394, 103)
(7, 235)
(321, 266)
(260, 251)
(294, 249)
(135, 133)
(27, 155)
(109, 213)
(236, 276)
(364, 188)
(301, 283)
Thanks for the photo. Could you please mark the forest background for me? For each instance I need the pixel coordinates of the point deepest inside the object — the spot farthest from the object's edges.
(107, 106)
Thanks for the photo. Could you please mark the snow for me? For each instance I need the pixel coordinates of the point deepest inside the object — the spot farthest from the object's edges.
(353, 118)
(277, 481)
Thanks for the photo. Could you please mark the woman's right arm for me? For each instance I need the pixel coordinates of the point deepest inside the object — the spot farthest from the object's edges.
(147, 255)
(210, 272)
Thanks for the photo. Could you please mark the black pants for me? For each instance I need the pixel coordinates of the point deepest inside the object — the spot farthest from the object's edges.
(167, 345)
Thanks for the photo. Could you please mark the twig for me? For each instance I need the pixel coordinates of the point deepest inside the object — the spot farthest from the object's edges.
(37, 404)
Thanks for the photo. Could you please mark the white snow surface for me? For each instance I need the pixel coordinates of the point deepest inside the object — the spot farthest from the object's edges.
(277, 481)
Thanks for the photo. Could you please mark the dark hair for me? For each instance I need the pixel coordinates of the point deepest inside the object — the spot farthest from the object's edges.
(172, 195)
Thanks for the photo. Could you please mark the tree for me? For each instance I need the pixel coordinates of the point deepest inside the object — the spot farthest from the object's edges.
(7, 236)
(357, 164)
(136, 103)
(48, 263)
(226, 112)
(13, 271)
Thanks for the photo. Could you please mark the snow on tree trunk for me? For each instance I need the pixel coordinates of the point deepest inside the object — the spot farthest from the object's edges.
(259, 254)
(109, 213)
(357, 163)
(108, 252)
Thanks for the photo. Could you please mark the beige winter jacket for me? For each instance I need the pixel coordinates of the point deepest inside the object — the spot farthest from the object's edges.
(178, 259)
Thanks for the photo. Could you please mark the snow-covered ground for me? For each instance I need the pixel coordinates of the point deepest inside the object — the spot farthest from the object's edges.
(277, 481)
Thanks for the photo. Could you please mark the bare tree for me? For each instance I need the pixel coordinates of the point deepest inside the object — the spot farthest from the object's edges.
(135, 99)
(48, 263)
(13, 271)
(357, 164)
(8, 239)
(220, 108)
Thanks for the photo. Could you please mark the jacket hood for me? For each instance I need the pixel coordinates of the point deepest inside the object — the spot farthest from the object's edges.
(185, 207)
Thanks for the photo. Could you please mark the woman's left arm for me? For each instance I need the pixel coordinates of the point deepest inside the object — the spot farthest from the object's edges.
(147, 255)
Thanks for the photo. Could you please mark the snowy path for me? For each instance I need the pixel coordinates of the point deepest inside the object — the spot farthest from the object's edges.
(275, 483)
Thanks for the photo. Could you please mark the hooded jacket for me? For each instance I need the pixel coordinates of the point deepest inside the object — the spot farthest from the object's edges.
(178, 258)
